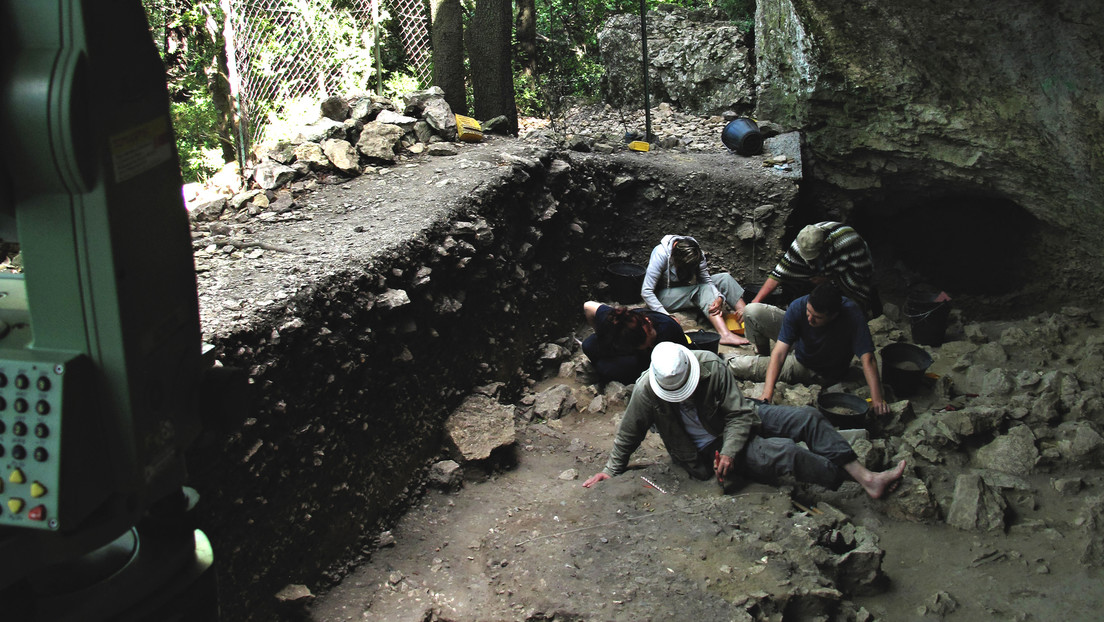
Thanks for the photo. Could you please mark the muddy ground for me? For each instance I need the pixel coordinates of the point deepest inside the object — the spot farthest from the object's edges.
(520, 539)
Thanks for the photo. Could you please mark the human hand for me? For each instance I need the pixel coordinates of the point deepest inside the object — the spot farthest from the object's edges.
(595, 479)
(880, 407)
(722, 465)
(739, 310)
(716, 306)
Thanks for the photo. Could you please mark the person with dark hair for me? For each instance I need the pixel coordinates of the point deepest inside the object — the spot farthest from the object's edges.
(709, 428)
(828, 251)
(623, 339)
(820, 334)
(677, 278)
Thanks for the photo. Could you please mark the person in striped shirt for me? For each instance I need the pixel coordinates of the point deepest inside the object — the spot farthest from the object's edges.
(828, 251)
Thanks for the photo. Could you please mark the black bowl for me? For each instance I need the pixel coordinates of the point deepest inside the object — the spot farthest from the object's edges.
(704, 340)
(845, 411)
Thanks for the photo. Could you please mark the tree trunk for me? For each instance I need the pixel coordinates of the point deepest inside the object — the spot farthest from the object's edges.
(176, 49)
(526, 30)
(218, 84)
(488, 41)
(448, 52)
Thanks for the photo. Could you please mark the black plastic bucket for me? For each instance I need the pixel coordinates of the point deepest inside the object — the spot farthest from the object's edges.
(777, 297)
(928, 317)
(742, 136)
(844, 410)
(703, 340)
(625, 280)
(903, 367)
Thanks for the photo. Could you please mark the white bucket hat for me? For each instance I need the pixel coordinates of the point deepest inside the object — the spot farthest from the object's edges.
(810, 241)
(674, 372)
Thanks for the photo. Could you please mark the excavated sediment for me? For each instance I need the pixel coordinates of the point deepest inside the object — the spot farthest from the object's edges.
(364, 315)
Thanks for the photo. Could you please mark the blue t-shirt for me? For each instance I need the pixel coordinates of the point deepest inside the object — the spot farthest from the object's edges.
(827, 349)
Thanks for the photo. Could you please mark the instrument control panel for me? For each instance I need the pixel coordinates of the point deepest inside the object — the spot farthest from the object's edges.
(32, 415)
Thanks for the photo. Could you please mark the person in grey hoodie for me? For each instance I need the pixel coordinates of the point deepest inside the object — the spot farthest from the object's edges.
(678, 278)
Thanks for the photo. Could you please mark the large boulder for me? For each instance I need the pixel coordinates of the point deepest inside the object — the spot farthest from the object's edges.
(698, 60)
(343, 155)
(319, 131)
(479, 426)
(272, 175)
(379, 140)
(976, 506)
(1014, 452)
(313, 155)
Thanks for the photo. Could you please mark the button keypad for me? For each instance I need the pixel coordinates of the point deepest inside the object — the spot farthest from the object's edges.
(30, 442)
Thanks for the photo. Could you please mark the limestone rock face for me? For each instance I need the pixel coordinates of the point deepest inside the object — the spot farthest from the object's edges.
(698, 61)
(902, 99)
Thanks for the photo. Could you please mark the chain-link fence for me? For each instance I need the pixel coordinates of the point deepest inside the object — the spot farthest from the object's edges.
(289, 51)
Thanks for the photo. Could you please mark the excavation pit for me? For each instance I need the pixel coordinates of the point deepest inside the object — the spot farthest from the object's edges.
(369, 313)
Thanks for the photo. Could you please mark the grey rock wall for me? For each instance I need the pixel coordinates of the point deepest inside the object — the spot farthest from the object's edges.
(698, 61)
(905, 104)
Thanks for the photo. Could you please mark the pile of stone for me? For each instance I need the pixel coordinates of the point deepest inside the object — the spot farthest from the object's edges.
(354, 135)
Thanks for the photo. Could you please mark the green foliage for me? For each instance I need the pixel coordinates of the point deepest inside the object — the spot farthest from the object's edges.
(309, 47)
(183, 38)
(528, 96)
(196, 137)
(741, 12)
(282, 121)
(398, 84)
(569, 65)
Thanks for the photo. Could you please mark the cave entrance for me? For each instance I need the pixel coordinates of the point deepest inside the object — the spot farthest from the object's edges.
(970, 246)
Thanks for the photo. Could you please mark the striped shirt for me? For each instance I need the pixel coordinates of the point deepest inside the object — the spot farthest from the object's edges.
(845, 259)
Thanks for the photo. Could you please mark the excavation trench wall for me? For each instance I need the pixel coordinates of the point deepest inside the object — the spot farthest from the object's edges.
(353, 374)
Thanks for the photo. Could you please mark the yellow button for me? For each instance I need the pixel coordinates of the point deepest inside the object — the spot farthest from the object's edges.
(38, 490)
(16, 477)
(15, 505)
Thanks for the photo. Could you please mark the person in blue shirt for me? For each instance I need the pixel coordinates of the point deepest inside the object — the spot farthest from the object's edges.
(820, 335)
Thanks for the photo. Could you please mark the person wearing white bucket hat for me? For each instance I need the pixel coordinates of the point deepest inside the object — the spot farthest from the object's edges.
(709, 428)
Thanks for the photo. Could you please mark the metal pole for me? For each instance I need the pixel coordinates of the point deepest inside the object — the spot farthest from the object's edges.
(376, 45)
(644, 48)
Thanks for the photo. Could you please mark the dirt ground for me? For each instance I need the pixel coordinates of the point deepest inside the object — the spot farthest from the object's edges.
(525, 541)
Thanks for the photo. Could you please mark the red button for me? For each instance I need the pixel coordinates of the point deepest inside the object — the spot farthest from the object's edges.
(37, 513)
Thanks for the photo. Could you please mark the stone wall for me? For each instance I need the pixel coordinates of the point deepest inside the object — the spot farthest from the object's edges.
(906, 106)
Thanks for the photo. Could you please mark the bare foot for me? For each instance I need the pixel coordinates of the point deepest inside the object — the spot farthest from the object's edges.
(732, 339)
(878, 484)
